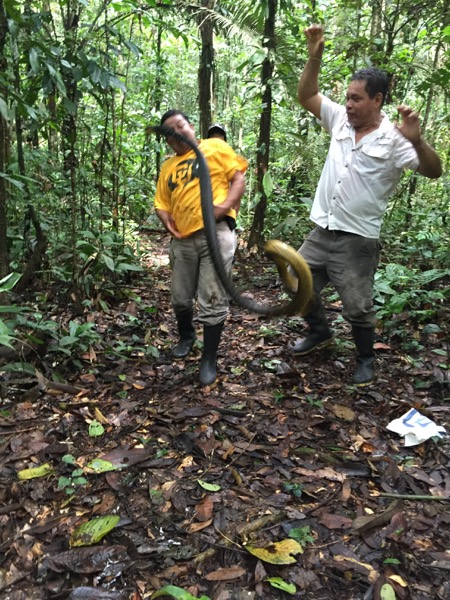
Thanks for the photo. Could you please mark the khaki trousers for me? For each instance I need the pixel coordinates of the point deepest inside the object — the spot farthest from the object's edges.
(193, 275)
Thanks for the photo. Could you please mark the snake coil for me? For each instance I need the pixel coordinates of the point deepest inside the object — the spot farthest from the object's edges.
(282, 254)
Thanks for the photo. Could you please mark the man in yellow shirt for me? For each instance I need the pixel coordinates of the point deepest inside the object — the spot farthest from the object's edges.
(178, 206)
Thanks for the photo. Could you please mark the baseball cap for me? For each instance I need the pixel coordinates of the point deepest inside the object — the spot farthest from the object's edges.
(219, 128)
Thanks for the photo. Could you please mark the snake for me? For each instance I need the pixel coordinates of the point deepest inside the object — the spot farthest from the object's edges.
(292, 267)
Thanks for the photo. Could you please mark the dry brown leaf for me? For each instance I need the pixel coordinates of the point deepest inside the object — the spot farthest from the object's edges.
(225, 574)
(332, 521)
(343, 412)
(326, 473)
(361, 567)
(203, 510)
(193, 527)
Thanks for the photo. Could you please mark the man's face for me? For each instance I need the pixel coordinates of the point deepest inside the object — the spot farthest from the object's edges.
(179, 124)
(361, 109)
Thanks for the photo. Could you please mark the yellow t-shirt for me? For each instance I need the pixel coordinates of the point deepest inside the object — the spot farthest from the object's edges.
(178, 188)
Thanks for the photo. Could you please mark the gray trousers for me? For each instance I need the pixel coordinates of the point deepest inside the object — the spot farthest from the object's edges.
(347, 261)
(193, 274)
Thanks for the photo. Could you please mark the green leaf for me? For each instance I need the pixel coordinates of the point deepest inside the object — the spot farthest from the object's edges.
(98, 465)
(279, 553)
(267, 184)
(94, 530)
(34, 60)
(96, 429)
(116, 83)
(5, 340)
(108, 262)
(177, 593)
(13, 181)
(387, 592)
(128, 267)
(69, 459)
(67, 340)
(280, 584)
(64, 482)
(210, 487)
(8, 282)
(41, 471)
(18, 367)
(4, 111)
(13, 309)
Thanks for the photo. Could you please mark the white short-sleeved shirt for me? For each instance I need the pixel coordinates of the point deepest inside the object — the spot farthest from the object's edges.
(358, 179)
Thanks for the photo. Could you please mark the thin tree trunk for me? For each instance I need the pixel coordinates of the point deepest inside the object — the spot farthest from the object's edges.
(4, 140)
(256, 237)
(71, 17)
(206, 67)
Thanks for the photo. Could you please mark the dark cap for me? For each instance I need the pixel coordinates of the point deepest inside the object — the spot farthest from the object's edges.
(217, 128)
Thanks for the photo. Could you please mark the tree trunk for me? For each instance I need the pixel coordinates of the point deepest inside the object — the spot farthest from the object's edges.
(256, 237)
(206, 67)
(71, 18)
(4, 263)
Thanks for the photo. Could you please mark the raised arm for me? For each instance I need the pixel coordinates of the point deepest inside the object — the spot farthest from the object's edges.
(429, 162)
(308, 87)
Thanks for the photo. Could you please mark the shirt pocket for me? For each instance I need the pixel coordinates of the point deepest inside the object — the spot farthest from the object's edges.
(382, 149)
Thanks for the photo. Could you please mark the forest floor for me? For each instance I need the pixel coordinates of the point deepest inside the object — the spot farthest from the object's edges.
(281, 453)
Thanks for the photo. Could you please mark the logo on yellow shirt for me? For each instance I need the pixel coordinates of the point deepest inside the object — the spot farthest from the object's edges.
(185, 172)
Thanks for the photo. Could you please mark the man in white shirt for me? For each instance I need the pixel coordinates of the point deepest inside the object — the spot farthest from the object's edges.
(366, 158)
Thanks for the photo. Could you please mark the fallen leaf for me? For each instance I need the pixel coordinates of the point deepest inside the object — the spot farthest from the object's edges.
(193, 527)
(93, 531)
(203, 510)
(225, 574)
(34, 472)
(365, 568)
(280, 584)
(343, 412)
(387, 592)
(210, 487)
(279, 553)
(332, 521)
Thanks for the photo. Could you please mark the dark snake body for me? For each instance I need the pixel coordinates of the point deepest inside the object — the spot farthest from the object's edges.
(282, 254)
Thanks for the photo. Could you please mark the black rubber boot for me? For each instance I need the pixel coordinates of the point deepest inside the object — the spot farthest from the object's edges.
(187, 335)
(319, 335)
(365, 361)
(208, 365)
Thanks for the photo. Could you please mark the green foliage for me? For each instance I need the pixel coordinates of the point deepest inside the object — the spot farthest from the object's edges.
(172, 591)
(399, 288)
(82, 91)
(7, 337)
(296, 489)
(73, 477)
(302, 535)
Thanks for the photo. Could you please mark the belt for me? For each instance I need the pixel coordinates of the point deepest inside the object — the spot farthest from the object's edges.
(339, 232)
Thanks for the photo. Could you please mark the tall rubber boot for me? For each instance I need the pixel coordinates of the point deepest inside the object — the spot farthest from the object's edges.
(187, 335)
(208, 365)
(365, 360)
(319, 334)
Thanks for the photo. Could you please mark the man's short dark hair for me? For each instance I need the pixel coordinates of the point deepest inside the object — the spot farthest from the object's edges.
(376, 80)
(171, 113)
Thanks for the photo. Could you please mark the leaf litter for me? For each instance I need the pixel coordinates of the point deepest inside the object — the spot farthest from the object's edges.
(184, 480)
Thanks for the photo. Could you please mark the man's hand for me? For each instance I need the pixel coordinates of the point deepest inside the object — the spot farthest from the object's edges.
(314, 35)
(410, 125)
(429, 162)
(233, 199)
(168, 221)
